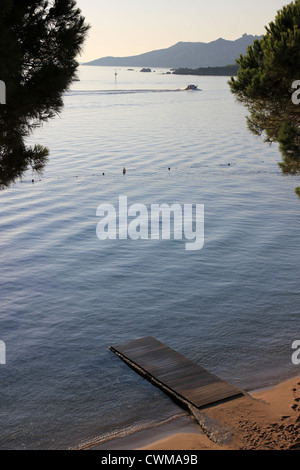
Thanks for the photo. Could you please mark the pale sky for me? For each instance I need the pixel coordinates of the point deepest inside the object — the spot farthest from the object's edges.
(131, 27)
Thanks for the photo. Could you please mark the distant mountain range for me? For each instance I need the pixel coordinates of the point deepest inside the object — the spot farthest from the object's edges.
(185, 54)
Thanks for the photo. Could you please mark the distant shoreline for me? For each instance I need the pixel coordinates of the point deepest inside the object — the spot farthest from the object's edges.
(228, 70)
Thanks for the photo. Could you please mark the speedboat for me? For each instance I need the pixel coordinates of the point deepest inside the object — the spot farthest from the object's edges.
(191, 87)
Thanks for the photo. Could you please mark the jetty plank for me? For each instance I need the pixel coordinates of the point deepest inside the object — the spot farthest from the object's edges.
(177, 375)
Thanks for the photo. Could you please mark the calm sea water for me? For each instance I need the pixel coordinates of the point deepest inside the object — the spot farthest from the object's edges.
(66, 296)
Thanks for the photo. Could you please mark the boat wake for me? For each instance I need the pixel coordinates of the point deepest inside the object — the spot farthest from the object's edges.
(121, 92)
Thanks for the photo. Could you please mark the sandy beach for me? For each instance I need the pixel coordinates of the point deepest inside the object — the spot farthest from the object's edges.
(263, 420)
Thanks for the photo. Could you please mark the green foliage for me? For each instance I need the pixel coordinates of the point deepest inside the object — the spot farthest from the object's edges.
(289, 139)
(272, 63)
(39, 43)
(264, 85)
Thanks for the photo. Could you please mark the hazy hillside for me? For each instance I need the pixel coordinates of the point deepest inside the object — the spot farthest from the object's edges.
(185, 54)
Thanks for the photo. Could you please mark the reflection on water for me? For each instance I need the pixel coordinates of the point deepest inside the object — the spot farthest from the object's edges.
(66, 296)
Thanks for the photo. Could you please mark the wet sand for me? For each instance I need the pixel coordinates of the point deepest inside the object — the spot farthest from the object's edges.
(267, 419)
(263, 420)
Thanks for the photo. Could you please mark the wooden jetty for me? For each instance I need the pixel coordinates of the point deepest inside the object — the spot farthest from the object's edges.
(186, 382)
